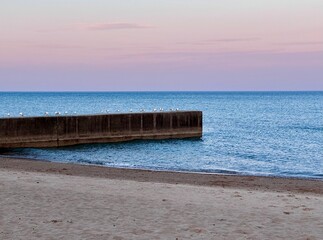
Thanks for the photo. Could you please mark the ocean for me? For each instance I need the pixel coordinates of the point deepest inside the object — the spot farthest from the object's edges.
(245, 133)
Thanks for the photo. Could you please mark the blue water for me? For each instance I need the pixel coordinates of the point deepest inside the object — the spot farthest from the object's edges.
(258, 133)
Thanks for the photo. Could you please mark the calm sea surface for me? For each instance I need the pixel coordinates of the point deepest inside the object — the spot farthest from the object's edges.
(258, 133)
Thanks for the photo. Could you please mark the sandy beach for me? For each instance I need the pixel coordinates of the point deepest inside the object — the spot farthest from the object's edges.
(45, 200)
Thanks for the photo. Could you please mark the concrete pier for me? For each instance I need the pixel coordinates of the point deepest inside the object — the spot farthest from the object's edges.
(72, 130)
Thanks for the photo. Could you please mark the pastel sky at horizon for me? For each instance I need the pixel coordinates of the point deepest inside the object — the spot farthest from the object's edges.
(149, 45)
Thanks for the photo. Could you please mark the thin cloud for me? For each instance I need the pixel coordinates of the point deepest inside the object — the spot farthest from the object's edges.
(58, 46)
(31, 44)
(300, 43)
(234, 39)
(114, 26)
(97, 27)
(222, 40)
(170, 54)
(54, 30)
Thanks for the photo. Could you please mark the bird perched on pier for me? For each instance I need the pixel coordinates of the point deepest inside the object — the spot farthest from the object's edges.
(177, 109)
(130, 110)
(66, 112)
(8, 114)
(46, 113)
(21, 114)
(57, 113)
(160, 109)
(155, 110)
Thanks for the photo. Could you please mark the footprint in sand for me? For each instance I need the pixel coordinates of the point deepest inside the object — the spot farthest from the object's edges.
(236, 194)
(308, 209)
(295, 207)
(287, 213)
(273, 206)
(197, 230)
(54, 221)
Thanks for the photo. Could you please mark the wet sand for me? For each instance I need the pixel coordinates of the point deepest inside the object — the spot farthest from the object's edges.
(48, 200)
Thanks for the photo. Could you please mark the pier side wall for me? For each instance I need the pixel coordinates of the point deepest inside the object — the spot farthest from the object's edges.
(72, 130)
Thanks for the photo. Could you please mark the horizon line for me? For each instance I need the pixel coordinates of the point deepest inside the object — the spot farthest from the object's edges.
(158, 91)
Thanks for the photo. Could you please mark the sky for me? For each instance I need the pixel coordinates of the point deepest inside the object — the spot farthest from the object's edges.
(165, 45)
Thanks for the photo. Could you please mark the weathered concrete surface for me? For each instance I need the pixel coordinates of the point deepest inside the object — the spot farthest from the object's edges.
(71, 130)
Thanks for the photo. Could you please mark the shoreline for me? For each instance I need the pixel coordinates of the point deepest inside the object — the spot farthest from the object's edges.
(267, 183)
(220, 172)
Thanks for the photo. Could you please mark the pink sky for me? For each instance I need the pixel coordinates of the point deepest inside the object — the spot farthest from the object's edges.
(161, 45)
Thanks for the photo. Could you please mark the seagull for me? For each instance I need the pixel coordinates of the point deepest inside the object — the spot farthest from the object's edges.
(177, 109)
(118, 110)
(107, 111)
(46, 113)
(142, 110)
(155, 109)
(171, 109)
(57, 113)
(130, 110)
(66, 112)
(21, 114)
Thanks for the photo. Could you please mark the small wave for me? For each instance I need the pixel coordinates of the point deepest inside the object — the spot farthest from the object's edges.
(307, 128)
(320, 175)
(245, 156)
(217, 171)
(220, 171)
(97, 162)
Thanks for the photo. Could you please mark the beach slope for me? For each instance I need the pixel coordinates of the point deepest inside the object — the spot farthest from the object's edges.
(64, 201)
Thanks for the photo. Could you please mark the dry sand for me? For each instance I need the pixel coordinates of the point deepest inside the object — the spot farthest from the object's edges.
(42, 200)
